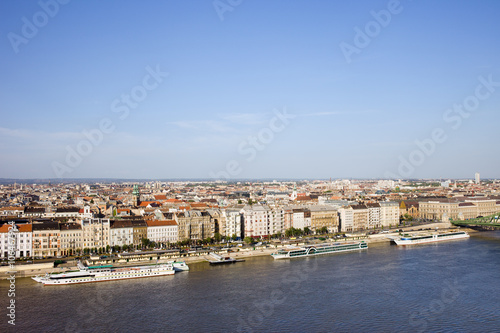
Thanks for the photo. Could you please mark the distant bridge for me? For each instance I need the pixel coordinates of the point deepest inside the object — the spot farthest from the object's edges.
(486, 221)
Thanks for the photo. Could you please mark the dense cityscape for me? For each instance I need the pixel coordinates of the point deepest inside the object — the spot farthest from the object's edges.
(65, 219)
(249, 166)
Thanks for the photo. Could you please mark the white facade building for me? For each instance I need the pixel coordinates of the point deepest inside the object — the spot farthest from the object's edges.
(373, 215)
(389, 214)
(346, 219)
(121, 233)
(256, 221)
(276, 218)
(95, 233)
(233, 221)
(301, 219)
(163, 231)
(67, 212)
(21, 239)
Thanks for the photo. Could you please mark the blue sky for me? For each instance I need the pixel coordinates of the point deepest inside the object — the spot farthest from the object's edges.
(357, 116)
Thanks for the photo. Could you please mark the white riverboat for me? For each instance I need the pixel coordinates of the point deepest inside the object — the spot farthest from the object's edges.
(179, 266)
(105, 273)
(313, 250)
(410, 239)
(220, 260)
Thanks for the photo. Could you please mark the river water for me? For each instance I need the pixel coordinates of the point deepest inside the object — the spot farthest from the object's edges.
(444, 287)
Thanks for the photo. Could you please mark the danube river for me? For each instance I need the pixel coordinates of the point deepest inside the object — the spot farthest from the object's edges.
(445, 287)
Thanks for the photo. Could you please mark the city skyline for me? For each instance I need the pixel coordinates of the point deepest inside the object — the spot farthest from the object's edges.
(309, 90)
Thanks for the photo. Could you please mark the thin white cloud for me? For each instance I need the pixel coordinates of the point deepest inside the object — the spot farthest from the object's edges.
(184, 124)
(204, 125)
(37, 134)
(244, 118)
(333, 113)
(319, 114)
(225, 123)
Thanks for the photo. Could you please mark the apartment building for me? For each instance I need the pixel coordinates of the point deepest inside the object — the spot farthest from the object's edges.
(374, 215)
(139, 232)
(95, 233)
(299, 218)
(276, 219)
(70, 238)
(46, 238)
(22, 240)
(162, 231)
(458, 208)
(389, 213)
(233, 223)
(324, 216)
(194, 224)
(353, 218)
(121, 233)
(255, 219)
(67, 212)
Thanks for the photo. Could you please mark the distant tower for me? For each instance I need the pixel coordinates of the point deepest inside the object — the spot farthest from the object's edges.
(478, 178)
(136, 194)
(294, 193)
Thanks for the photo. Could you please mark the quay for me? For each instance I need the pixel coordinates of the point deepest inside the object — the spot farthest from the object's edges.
(200, 255)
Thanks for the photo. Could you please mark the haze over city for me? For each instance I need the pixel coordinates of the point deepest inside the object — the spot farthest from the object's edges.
(315, 89)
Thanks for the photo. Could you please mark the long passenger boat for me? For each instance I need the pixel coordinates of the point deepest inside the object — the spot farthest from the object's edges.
(105, 273)
(313, 250)
(429, 238)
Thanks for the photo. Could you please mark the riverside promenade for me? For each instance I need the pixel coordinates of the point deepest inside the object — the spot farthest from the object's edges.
(29, 270)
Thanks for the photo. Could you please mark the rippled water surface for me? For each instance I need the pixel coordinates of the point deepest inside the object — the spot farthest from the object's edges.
(446, 287)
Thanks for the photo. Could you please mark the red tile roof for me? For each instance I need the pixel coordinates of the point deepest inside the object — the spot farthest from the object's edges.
(161, 223)
(146, 203)
(21, 227)
(174, 200)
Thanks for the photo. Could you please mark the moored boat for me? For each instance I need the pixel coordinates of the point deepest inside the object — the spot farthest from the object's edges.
(105, 273)
(223, 260)
(409, 239)
(179, 266)
(313, 250)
